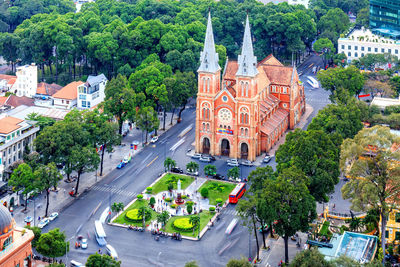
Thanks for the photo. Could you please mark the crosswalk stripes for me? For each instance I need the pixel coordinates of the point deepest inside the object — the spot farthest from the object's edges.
(231, 212)
(114, 190)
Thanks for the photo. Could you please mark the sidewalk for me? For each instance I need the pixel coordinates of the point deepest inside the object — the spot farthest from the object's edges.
(61, 199)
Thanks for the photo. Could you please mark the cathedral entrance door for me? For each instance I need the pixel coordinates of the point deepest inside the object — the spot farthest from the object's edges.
(206, 145)
(244, 151)
(225, 148)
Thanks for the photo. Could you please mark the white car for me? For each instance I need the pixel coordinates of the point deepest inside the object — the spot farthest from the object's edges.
(84, 243)
(231, 226)
(232, 162)
(196, 156)
(112, 252)
(43, 223)
(53, 216)
(154, 139)
(238, 180)
(205, 159)
(247, 163)
(195, 173)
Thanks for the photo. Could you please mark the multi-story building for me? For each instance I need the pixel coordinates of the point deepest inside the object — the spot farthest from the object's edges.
(362, 42)
(298, 2)
(26, 82)
(67, 97)
(384, 17)
(15, 242)
(15, 134)
(6, 82)
(91, 93)
(246, 113)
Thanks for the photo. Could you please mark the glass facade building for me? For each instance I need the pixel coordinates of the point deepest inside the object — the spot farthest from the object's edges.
(385, 17)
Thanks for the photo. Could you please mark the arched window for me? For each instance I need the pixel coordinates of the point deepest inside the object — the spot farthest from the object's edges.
(244, 115)
(241, 131)
(7, 242)
(247, 89)
(206, 111)
(208, 127)
(204, 126)
(204, 85)
(246, 132)
(208, 85)
(242, 88)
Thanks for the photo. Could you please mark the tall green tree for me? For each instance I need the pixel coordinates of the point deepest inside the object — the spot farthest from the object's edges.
(192, 166)
(195, 221)
(368, 158)
(120, 100)
(52, 244)
(169, 163)
(210, 170)
(234, 172)
(96, 260)
(163, 218)
(295, 206)
(23, 178)
(48, 176)
(317, 155)
(117, 207)
(147, 120)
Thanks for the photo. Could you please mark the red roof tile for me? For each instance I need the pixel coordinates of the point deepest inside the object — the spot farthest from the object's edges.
(231, 69)
(3, 100)
(270, 60)
(7, 77)
(70, 91)
(16, 101)
(278, 74)
(269, 126)
(9, 124)
(47, 89)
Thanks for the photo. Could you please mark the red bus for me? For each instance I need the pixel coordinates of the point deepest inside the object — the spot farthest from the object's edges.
(237, 193)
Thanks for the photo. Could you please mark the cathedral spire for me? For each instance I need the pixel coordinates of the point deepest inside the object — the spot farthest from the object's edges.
(247, 61)
(209, 58)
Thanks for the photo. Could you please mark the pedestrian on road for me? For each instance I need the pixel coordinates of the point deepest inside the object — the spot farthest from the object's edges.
(39, 218)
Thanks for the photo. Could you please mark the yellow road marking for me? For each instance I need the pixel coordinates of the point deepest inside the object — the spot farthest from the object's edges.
(151, 162)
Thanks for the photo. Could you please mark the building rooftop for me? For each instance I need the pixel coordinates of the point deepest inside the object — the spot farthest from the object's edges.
(22, 112)
(383, 102)
(93, 80)
(367, 36)
(47, 89)
(8, 125)
(6, 221)
(16, 101)
(70, 91)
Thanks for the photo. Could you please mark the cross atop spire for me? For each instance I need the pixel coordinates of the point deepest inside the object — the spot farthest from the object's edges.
(247, 61)
(209, 58)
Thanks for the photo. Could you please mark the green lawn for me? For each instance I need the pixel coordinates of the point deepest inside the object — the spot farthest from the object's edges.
(214, 193)
(137, 204)
(205, 217)
(162, 184)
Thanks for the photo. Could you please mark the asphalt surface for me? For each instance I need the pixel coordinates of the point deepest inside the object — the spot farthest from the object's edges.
(140, 249)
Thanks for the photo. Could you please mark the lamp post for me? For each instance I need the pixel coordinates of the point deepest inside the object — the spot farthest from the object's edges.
(66, 249)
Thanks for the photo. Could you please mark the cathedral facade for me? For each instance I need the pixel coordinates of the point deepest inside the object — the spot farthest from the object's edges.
(243, 111)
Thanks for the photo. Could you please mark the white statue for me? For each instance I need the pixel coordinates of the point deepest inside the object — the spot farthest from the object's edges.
(179, 186)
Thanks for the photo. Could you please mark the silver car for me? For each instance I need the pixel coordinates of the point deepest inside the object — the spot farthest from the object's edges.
(205, 159)
(247, 163)
(232, 162)
(196, 156)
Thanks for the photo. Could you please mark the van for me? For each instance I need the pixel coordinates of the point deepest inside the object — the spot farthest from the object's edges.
(76, 264)
(111, 251)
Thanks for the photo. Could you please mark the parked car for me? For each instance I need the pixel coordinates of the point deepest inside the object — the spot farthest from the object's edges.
(84, 243)
(219, 176)
(196, 156)
(76, 264)
(53, 216)
(232, 162)
(267, 158)
(234, 179)
(195, 173)
(135, 143)
(28, 219)
(211, 157)
(43, 222)
(247, 163)
(154, 139)
(205, 158)
(176, 170)
(127, 159)
(121, 165)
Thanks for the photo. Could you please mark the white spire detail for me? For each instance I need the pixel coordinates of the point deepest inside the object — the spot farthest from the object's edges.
(209, 58)
(247, 61)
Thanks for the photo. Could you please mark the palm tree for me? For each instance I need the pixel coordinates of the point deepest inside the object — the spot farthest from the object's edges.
(210, 170)
(117, 207)
(355, 224)
(169, 163)
(234, 172)
(163, 218)
(195, 221)
(192, 166)
(143, 210)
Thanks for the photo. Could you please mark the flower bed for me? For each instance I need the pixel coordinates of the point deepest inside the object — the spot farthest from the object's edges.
(162, 184)
(217, 190)
(183, 224)
(122, 218)
(134, 216)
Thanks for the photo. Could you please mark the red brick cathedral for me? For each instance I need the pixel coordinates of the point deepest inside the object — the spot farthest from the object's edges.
(245, 114)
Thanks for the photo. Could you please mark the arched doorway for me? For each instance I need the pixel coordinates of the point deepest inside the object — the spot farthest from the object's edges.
(244, 151)
(206, 145)
(225, 148)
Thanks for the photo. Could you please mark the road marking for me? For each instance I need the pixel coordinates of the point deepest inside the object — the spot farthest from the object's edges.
(151, 162)
(186, 130)
(180, 142)
(146, 158)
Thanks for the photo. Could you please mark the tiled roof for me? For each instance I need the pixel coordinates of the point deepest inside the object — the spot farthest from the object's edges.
(231, 69)
(9, 124)
(3, 100)
(12, 81)
(278, 74)
(7, 77)
(16, 101)
(70, 91)
(93, 80)
(47, 89)
(270, 60)
(274, 121)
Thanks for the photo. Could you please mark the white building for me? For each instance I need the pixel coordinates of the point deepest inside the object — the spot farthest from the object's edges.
(383, 102)
(362, 42)
(26, 82)
(6, 82)
(15, 134)
(91, 93)
(67, 97)
(298, 2)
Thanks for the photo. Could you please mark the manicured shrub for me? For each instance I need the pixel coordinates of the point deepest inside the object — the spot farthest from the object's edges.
(140, 196)
(218, 200)
(134, 216)
(182, 224)
(189, 209)
(184, 196)
(204, 192)
(152, 201)
(170, 186)
(173, 206)
(211, 209)
(189, 202)
(167, 199)
(149, 190)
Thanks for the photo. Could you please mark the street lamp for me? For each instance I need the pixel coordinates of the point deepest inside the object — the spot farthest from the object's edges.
(66, 250)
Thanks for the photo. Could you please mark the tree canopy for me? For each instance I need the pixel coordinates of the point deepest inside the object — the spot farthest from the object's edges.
(96, 260)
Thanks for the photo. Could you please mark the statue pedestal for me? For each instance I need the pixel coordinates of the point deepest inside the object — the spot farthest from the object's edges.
(179, 199)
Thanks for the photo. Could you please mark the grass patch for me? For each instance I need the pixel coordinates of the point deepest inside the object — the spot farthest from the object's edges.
(121, 219)
(205, 217)
(217, 189)
(162, 184)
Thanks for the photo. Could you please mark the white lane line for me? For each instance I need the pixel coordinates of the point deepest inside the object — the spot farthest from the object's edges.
(146, 158)
(180, 142)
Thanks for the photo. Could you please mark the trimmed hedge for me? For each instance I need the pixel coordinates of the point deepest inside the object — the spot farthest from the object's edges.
(211, 208)
(183, 224)
(168, 199)
(173, 206)
(219, 200)
(140, 196)
(134, 216)
(149, 190)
